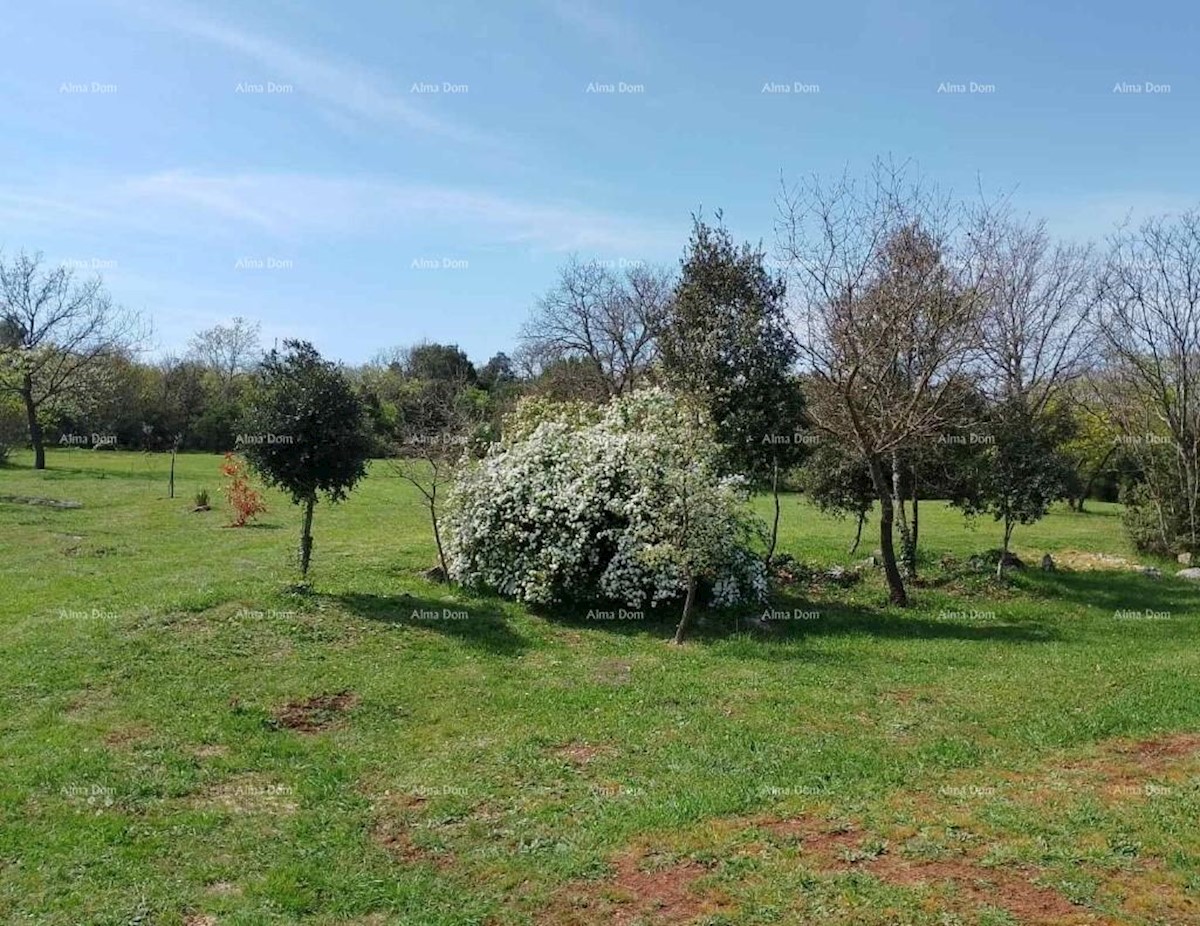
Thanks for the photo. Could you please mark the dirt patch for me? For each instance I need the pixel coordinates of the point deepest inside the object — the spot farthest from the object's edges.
(822, 844)
(582, 754)
(840, 848)
(127, 737)
(199, 919)
(1081, 561)
(312, 715)
(395, 836)
(224, 889)
(1150, 895)
(614, 672)
(641, 889)
(1005, 888)
(210, 751)
(249, 794)
(41, 502)
(1162, 750)
(86, 702)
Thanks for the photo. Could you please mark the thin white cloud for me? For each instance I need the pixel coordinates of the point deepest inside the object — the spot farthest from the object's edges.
(344, 88)
(293, 207)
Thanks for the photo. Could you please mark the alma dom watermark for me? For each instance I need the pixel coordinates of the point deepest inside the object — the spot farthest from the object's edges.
(87, 440)
(618, 88)
(952, 88)
(1148, 88)
(94, 87)
(797, 87)
(260, 440)
(270, 88)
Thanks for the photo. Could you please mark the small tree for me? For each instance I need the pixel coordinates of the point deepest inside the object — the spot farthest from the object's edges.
(1020, 470)
(886, 277)
(305, 431)
(243, 499)
(838, 482)
(727, 343)
(438, 425)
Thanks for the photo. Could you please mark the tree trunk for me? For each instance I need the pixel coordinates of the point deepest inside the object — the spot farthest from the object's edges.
(35, 427)
(908, 550)
(306, 541)
(916, 524)
(437, 538)
(171, 478)
(775, 522)
(862, 517)
(896, 592)
(689, 604)
(1008, 529)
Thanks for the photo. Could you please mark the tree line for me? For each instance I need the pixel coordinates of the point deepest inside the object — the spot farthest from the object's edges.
(895, 344)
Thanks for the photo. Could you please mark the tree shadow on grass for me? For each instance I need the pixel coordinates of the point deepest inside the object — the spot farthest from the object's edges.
(475, 624)
(804, 619)
(1114, 590)
(825, 619)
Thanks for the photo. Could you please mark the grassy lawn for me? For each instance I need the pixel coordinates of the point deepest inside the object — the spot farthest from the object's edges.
(186, 740)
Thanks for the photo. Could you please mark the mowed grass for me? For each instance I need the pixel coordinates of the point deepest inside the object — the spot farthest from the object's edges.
(185, 738)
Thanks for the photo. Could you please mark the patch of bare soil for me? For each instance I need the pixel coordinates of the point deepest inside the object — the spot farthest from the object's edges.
(1154, 753)
(833, 849)
(312, 715)
(1124, 769)
(249, 794)
(614, 672)
(393, 832)
(638, 891)
(1005, 888)
(127, 737)
(582, 754)
(1081, 561)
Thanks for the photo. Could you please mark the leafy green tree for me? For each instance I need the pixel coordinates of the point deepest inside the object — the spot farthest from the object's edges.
(1020, 470)
(304, 430)
(498, 372)
(438, 362)
(838, 482)
(726, 342)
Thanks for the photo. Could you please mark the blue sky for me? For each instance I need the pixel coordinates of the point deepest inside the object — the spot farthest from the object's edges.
(347, 204)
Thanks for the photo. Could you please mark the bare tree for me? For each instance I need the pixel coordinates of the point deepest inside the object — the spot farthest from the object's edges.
(887, 277)
(227, 350)
(1036, 335)
(58, 333)
(1151, 333)
(430, 444)
(606, 319)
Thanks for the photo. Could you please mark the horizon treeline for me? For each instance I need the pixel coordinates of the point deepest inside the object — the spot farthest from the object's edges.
(901, 345)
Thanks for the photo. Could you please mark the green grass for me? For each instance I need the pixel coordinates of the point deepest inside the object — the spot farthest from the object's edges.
(496, 769)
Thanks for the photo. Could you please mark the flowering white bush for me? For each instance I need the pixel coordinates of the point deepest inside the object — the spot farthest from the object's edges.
(626, 507)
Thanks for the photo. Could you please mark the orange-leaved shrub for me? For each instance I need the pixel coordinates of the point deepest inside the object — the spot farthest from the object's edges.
(245, 500)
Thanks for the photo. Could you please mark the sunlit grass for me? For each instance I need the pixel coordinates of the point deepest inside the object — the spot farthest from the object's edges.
(486, 762)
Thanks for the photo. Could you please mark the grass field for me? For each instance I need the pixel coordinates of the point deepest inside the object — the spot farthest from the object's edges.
(185, 740)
